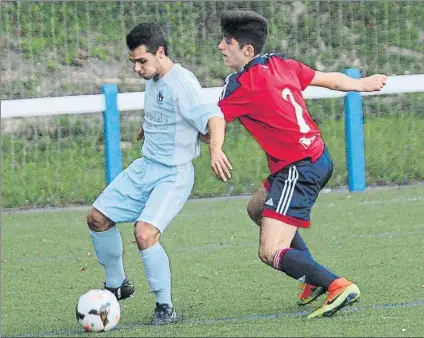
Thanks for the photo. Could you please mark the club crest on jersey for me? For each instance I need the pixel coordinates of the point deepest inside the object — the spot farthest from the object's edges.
(159, 97)
(307, 141)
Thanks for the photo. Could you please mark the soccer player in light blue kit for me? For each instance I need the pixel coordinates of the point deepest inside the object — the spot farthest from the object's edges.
(154, 188)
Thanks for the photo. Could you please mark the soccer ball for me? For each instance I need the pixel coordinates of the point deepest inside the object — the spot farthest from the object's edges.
(98, 310)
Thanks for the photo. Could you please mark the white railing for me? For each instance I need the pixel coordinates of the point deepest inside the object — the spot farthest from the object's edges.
(82, 104)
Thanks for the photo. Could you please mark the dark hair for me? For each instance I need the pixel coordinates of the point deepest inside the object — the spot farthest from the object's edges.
(247, 27)
(148, 34)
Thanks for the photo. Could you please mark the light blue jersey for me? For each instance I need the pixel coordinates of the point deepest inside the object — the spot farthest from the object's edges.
(155, 187)
(174, 117)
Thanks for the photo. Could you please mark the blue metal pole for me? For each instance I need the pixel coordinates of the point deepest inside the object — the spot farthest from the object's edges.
(354, 134)
(112, 132)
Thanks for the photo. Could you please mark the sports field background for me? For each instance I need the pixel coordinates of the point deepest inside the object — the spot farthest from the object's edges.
(220, 287)
(73, 47)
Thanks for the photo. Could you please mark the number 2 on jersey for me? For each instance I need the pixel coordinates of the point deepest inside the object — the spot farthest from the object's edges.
(288, 96)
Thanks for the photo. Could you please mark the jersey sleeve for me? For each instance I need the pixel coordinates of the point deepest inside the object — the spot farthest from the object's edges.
(199, 116)
(188, 95)
(188, 99)
(304, 72)
(234, 101)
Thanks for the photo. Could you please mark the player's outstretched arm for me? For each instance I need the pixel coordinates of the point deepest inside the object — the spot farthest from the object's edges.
(219, 162)
(342, 82)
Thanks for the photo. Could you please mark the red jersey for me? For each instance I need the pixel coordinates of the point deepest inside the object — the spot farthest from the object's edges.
(266, 97)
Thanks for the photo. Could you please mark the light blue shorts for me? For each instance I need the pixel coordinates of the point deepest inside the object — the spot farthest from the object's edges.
(147, 191)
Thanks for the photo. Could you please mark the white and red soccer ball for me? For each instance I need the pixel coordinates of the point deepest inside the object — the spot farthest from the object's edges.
(98, 310)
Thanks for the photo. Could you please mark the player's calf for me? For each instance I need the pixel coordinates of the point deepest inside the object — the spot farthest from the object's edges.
(157, 270)
(107, 243)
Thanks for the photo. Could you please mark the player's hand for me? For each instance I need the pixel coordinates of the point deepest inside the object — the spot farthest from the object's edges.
(140, 134)
(220, 164)
(205, 138)
(374, 82)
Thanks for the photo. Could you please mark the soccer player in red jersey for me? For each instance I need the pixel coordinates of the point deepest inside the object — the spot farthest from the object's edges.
(265, 95)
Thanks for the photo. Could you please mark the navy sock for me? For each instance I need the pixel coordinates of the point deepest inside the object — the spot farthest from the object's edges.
(303, 267)
(299, 244)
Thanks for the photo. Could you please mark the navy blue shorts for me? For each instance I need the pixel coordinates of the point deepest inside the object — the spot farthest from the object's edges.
(293, 190)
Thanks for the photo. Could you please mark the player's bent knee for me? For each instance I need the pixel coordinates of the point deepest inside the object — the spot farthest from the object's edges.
(98, 222)
(146, 235)
(265, 255)
(269, 255)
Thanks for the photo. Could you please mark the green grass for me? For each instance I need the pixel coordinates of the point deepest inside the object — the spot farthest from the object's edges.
(219, 285)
